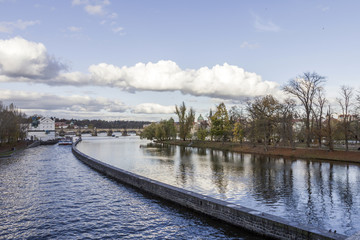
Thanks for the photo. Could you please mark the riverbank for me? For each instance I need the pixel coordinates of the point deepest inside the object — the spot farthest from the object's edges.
(7, 150)
(305, 153)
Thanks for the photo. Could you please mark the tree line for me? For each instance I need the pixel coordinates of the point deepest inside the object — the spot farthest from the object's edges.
(305, 117)
(12, 124)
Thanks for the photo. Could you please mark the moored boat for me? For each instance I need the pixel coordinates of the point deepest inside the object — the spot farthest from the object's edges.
(66, 141)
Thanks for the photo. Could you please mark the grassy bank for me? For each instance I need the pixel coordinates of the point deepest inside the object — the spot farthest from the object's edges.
(307, 153)
(6, 150)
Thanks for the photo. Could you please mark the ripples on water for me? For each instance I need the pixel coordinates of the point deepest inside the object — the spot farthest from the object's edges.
(45, 193)
(322, 194)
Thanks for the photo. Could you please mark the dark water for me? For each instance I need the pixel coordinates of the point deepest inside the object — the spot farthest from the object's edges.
(45, 193)
(325, 195)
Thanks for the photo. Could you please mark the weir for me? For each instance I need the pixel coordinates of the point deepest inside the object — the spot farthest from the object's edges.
(259, 222)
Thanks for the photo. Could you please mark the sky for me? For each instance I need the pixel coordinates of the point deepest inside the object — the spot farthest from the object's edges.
(136, 60)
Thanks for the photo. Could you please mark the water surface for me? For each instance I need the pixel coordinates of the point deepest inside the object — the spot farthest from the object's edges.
(46, 193)
(322, 194)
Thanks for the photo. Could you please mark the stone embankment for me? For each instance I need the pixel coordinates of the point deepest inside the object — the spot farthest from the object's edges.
(252, 220)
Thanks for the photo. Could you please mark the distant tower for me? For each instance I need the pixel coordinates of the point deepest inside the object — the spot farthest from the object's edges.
(200, 119)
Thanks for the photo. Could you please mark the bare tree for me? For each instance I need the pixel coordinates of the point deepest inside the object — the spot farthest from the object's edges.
(346, 93)
(328, 130)
(286, 117)
(304, 88)
(318, 112)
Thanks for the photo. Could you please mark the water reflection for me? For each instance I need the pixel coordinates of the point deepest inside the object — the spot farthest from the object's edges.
(313, 192)
(48, 194)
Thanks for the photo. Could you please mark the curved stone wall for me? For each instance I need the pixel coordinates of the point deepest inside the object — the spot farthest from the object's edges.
(258, 222)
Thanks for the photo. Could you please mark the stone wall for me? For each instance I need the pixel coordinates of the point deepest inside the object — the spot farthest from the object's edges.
(258, 222)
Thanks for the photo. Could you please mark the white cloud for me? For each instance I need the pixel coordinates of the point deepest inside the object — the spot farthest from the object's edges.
(80, 2)
(25, 61)
(249, 45)
(265, 26)
(153, 108)
(74, 103)
(94, 9)
(222, 81)
(118, 29)
(74, 29)
(106, 2)
(20, 58)
(9, 27)
(113, 16)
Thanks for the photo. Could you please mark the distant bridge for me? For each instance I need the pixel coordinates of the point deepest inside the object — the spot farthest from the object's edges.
(78, 131)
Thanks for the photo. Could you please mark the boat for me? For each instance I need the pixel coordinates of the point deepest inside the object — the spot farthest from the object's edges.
(49, 142)
(66, 141)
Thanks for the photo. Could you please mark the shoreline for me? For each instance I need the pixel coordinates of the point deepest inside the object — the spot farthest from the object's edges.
(304, 153)
(8, 150)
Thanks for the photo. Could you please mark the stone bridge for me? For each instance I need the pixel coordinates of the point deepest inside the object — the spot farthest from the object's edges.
(94, 131)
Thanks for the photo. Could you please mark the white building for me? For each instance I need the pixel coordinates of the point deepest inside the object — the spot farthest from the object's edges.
(41, 129)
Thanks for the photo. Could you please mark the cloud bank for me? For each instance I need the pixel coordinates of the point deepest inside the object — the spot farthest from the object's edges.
(25, 61)
(77, 103)
(221, 81)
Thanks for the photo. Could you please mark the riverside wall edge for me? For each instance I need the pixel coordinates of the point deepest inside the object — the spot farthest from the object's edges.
(259, 222)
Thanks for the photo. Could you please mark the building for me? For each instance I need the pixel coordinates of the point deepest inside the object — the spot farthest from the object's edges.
(41, 129)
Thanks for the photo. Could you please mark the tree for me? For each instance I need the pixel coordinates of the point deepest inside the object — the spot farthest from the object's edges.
(285, 126)
(238, 131)
(186, 120)
(149, 132)
(11, 120)
(304, 88)
(263, 111)
(329, 130)
(201, 133)
(346, 93)
(220, 123)
(318, 111)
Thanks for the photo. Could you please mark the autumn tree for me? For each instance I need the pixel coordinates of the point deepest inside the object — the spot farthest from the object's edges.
(220, 123)
(304, 88)
(263, 111)
(238, 123)
(11, 124)
(186, 120)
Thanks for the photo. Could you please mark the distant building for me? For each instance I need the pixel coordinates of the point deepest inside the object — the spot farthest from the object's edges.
(41, 129)
(61, 125)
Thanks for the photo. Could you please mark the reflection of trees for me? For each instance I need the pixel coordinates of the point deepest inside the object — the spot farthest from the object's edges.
(264, 179)
(186, 167)
(346, 196)
(217, 168)
(156, 149)
(312, 217)
(201, 151)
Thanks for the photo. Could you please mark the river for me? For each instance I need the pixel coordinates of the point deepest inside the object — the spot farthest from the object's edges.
(322, 194)
(46, 193)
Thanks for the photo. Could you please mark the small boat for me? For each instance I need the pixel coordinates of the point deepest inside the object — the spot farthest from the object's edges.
(66, 141)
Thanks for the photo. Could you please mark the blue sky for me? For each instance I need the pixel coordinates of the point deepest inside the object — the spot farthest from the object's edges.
(137, 59)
